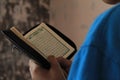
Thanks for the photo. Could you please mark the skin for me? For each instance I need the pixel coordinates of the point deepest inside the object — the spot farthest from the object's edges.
(59, 66)
(111, 1)
(58, 71)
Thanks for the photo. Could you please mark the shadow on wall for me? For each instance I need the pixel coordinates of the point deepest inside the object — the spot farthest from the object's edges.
(23, 14)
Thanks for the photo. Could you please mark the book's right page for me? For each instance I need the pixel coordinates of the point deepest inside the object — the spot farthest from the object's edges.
(48, 42)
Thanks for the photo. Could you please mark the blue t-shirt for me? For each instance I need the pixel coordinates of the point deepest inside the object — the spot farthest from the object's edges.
(99, 56)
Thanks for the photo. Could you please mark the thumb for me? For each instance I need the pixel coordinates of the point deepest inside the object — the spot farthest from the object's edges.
(64, 63)
(53, 62)
(55, 66)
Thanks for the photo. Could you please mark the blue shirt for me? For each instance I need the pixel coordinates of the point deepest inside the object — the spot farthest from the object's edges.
(99, 56)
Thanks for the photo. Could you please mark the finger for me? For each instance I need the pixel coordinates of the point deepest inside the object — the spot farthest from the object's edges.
(34, 68)
(53, 61)
(65, 74)
(55, 66)
(64, 63)
(33, 65)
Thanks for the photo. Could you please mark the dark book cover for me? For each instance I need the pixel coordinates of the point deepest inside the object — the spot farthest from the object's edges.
(33, 54)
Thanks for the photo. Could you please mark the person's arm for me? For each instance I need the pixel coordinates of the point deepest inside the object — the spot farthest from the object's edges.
(54, 73)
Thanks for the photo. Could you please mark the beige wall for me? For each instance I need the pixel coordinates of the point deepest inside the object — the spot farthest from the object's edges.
(74, 18)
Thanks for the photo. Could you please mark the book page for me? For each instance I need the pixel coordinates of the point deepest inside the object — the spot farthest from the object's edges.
(18, 34)
(48, 42)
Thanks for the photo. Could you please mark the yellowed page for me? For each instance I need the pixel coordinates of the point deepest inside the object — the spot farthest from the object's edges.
(48, 42)
(15, 31)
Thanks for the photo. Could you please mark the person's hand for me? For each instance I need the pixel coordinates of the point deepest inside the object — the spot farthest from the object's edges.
(54, 73)
(64, 63)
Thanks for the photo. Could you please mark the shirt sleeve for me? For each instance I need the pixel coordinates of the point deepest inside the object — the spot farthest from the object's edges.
(99, 56)
(86, 64)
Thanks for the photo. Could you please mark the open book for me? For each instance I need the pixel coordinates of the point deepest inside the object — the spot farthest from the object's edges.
(41, 41)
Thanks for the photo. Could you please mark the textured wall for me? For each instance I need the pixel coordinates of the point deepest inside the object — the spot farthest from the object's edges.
(74, 17)
(24, 14)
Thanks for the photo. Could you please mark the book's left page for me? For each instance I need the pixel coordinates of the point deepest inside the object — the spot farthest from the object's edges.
(29, 49)
(15, 31)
